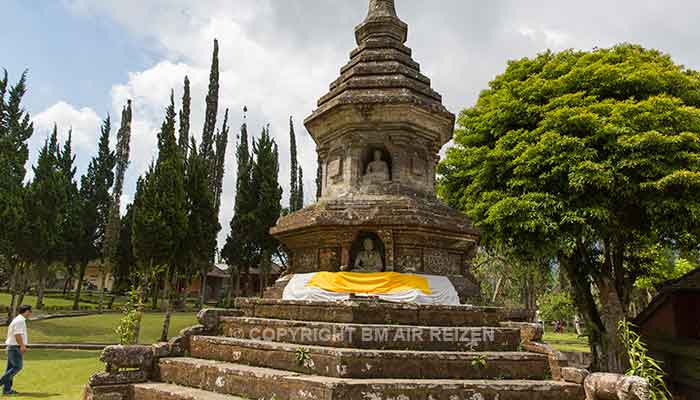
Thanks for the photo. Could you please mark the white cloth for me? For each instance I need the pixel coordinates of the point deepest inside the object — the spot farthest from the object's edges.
(18, 326)
(443, 292)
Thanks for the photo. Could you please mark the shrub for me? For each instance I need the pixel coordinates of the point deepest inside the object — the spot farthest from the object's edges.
(641, 364)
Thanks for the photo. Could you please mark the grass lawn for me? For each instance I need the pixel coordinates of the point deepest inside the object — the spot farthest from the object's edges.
(49, 301)
(54, 374)
(567, 341)
(100, 328)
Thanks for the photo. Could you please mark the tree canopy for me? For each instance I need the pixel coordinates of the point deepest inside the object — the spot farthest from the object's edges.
(588, 157)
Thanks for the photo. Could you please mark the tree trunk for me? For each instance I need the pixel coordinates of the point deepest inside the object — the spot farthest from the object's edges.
(41, 287)
(168, 313)
(12, 287)
(611, 314)
(79, 287)
(155, 294)
(607, 350)
(22, 285)
(203, 288)
(69, 279)
(496, 289)
(103, 282)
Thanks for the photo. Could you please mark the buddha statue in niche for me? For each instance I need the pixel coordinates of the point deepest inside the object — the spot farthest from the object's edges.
(377, 170)
(368, 259)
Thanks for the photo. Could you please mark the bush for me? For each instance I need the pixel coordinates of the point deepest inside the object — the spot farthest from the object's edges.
(556, 306)
(641, 364)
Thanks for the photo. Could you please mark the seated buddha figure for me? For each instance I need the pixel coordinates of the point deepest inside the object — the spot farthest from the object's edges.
(368, 259)
(377, 170)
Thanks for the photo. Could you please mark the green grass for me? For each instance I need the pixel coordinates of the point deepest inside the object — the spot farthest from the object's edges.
(49, 301)
(54, 374)
(567, 341)
(100, 328)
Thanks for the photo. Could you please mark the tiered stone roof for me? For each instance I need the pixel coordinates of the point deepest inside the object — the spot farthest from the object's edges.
(381, 69)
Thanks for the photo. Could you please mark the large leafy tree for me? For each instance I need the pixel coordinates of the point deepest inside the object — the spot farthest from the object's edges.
(589, 157)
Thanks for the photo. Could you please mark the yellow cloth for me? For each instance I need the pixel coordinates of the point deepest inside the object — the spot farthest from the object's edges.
(369, 283)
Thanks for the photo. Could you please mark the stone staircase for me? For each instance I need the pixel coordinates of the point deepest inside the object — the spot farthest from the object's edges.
(273, 349)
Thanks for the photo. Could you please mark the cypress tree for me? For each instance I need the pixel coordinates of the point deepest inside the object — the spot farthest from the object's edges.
(184, 137)
(300, 190)
(220, 160)
(202, 221)
(71, 210)
(15, 130)
(294, 173)
(45, 206)
(319, 180)
(170, 187)
(238, 249)
(111, 240)
(210, 114)
(268, 193)
(95, 205)
(125, 260)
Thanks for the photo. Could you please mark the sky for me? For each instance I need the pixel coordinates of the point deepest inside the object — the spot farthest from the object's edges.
(87, 57)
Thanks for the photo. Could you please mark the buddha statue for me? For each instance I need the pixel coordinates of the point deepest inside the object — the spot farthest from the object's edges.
(377, 170)
(368, 259)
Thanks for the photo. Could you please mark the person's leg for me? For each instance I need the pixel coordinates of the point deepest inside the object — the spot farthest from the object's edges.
(14, 365)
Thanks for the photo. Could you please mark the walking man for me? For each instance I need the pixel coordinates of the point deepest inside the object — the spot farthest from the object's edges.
(16, 346)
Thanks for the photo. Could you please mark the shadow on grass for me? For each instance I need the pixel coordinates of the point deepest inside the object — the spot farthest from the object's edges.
(28, 395)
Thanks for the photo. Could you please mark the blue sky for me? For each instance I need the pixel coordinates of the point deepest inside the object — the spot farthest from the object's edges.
(87, 57)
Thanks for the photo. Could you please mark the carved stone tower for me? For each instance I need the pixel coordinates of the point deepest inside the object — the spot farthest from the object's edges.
(378, 132)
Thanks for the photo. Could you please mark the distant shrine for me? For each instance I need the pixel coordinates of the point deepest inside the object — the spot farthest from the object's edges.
(378, 132)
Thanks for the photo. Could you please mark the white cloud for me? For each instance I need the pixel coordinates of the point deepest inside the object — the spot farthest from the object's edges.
(551, 38)
(273, 78)
(84, 122)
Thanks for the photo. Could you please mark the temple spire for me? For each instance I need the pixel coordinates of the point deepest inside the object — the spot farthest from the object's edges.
(381, 23)
(381, 8)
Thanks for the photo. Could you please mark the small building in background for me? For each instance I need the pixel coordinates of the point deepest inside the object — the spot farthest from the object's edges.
(670, 325)
(219, 278)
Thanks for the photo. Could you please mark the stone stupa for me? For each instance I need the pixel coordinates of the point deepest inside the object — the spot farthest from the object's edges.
(378, 132)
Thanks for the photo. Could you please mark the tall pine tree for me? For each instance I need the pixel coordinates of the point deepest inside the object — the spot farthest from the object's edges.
(184, 133)
(95, 205)
(238, 250)
(300, 190)
(71, 223)
(44, 210)
(219, 162)
(210, 113)
(294, 173)
(268, 193)
(170, 187)
(15, 130)
(111, 241)
(202, 219)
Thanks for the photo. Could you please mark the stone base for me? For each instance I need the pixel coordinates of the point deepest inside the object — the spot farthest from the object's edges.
(264, 383)
(373, 312)
(374, 337)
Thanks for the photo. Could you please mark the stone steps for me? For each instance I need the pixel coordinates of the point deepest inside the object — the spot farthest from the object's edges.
(164, 391)
(373, 336)
(374, 312)
(264, 383)
(365, 364)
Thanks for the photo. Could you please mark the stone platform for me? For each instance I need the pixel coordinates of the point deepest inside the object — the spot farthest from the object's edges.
(289, 350)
